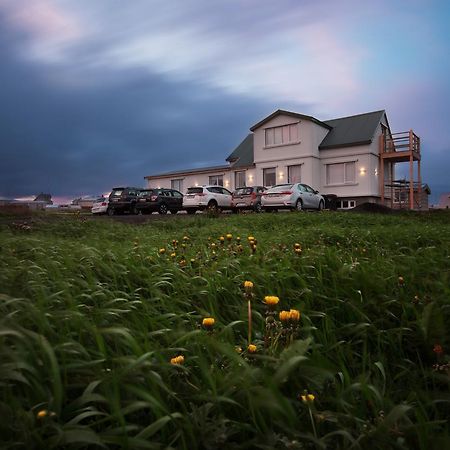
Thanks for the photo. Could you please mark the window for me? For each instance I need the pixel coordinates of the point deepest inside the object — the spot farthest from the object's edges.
(294, 174)
(341, 173)
(270, 177)
(216, 180)
(286, 134)
(177, 194)
(177, 184)
(346, 204)
(239, 179)
(401, 196)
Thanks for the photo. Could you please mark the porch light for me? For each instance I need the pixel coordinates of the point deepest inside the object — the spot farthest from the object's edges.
(196, 184)
(227, 183)
(376, 172)
(281, 175)
(362, 171)
(250, 178)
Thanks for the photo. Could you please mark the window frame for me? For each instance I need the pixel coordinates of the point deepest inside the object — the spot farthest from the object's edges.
(271, 133)
(240, 173)
(218, 177)
(345, 182)
(274, 174)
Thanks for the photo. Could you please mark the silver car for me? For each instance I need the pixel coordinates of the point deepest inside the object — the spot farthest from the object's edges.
(296, 197)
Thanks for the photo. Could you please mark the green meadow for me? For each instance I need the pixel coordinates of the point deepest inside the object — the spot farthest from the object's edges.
(102, 342)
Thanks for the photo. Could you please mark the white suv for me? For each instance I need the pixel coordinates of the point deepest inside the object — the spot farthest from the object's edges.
(206, 197)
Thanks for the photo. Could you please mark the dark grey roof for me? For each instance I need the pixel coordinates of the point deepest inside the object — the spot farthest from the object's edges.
(189, 171)
(291, 114)
(242, 155)
(353, 130)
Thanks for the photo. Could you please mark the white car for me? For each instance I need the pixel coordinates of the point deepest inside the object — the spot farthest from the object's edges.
(100, 206)
(199, 198)
(296, 197)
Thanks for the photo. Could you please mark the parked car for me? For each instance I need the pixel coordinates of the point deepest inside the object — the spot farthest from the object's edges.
(295, 196)
(123, 199)
(100, 206)
(200, 198)
(161, 200)
(247, 198)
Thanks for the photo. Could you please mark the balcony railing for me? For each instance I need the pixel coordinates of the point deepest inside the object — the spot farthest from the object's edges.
(405, 141)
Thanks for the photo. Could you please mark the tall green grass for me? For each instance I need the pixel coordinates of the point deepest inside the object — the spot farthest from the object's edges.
(91, 314)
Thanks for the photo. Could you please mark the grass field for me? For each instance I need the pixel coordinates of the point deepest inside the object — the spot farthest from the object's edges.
(102, 342)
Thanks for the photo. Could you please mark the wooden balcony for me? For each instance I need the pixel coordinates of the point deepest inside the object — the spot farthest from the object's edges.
(397, 148)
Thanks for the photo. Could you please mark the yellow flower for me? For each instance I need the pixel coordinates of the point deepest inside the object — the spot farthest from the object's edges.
(173, 255)
(298, 251)
(401, 281)
(185, 238)
(42, 413)
(251, 348)
(307, 398)
(162, 251)
(229, 237)
(177, 360)
(248, 285)
(284, 316)
(271, 300)
(297, 246)
(208, 322)
(213, 245)
(294, 315)
(250, 238)
(238, 239)
(221, 239)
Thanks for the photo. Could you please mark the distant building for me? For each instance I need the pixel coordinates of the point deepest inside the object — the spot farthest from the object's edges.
(444, 201)
(46, 198)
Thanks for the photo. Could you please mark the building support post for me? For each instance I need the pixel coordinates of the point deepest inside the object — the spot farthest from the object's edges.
(419, 187)
(411, 171)
(381, 174)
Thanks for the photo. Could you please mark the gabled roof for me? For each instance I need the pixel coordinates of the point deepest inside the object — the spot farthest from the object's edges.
(291, 114)
(352, 130)
(242, 155)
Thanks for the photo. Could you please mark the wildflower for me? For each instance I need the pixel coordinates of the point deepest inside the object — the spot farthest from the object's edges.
(238, 349)
(185, 238)
(173, 255)
(221, 239)
(401, 281)
(253, 248)
(183, 245)
(416, 299)
(208, 322)
(193, 261)
(240, 249)
(307, 398)
(271, 300)
(294, 315)
(174, 242)
(177, 360)
(238, 240)
(162, 251)
(45, 413)
(248, 285)
(296, 246)
(298, 251)
(229, 237)
(284, 316)
(251, 348)
(438, 349)
(250, 238)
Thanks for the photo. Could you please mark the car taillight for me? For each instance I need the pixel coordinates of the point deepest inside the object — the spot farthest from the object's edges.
(286, 193)
(153, 198)
(200, 194)
(253, 195)
(104, 204)
(263, 194)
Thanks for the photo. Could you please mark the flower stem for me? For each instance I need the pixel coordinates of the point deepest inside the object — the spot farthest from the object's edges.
(249, 322)
(312, 422)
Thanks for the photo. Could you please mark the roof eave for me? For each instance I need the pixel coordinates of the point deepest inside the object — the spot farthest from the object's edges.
(350, 144)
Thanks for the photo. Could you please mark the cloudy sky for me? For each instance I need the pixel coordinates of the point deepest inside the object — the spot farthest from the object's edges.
(97, 93)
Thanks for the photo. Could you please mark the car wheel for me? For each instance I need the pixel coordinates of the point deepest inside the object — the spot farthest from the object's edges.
(110, 211)
(257, 207)
(299, 205)
(190, 211)
(320, 205)
(212, 206)
(162, 208)
(173, 211)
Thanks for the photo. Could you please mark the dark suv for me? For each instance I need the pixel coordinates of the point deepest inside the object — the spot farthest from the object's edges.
(247, 198)
(161, 200)
(123, 199)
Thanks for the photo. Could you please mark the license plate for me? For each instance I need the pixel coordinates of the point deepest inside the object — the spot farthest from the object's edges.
(240, 205)
(190, 195)
(142, 200)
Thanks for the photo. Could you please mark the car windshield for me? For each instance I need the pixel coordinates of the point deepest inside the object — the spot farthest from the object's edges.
(195, 190)
(117, 193)
(243, 191)
(280, 188)
(100, 200)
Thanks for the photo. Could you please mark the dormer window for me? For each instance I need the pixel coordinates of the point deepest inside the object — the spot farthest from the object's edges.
(286, 134)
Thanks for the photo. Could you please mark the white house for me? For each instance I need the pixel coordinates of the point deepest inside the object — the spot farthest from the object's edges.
(351, 157)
